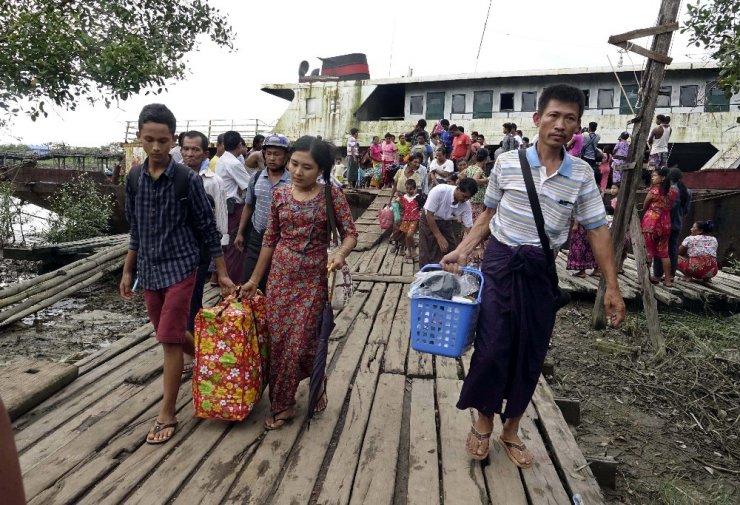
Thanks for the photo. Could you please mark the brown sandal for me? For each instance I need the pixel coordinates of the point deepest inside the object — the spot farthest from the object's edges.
(476, 441)
(275, 423)
(160, 427)
(508, 446)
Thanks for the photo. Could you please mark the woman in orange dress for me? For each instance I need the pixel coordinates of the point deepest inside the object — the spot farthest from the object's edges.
(656, 222)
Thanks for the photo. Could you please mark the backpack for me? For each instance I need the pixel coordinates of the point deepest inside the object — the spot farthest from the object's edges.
(181, 181)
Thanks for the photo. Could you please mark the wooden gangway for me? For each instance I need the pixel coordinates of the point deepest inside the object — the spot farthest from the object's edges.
(391, 433)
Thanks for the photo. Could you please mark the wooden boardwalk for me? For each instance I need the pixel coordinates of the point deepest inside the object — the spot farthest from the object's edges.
(391, 433)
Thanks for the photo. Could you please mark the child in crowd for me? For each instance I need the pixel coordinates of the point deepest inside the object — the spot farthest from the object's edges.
(411, 204)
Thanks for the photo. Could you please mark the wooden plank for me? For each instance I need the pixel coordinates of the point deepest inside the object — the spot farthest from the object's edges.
(647, 53)
(375, 264)
(398, 339)
(423, 471)
(300, 477)
(462, 477)
(379, 277)
(26, 383)
(214, 477)
(94, 470)
(59, 414)
(386, 314)
(446, 368)
(566, 452)
(348, 315)
(397, 265)
(643, 32)
(76, 450)
(376, 471)
(541, 479)
(503, 480)
(262, 473)
(124, 343)
(419, 364)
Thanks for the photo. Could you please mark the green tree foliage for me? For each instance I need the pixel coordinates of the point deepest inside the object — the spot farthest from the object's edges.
(80, 211)
(63, 51)
(715, 25)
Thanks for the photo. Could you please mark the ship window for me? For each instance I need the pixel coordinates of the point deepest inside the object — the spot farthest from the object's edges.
(688, 96)
(435, 105)
(631, 92)
(529, 101)
(664, 96)
(417, 105)
(605, 99)
(312, 105)
(507, 101)
(458, 104)
(482, 104)
(715, 99)
(587, 96)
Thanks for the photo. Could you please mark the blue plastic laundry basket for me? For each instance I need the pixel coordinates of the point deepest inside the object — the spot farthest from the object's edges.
(444, 327)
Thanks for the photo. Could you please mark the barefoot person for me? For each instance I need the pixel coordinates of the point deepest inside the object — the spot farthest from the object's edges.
(166, 206)
(517, 310)
(295, 244)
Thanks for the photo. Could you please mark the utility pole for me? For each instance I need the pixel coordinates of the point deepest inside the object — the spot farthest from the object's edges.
(632, 170)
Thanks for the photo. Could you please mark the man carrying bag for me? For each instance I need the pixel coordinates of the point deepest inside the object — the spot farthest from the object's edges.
(517, 316)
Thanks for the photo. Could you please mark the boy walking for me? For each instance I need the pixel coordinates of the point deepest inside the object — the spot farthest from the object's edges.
(165, 219)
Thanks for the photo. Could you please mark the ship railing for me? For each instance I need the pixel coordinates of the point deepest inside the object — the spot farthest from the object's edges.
(212, 128)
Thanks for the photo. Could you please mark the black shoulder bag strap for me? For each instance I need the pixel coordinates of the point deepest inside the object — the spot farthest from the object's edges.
(534, 202)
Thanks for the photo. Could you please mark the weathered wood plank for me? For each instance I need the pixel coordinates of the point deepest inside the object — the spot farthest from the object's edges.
(541, 480)
(566, 452)
(347, 317)
(398, 340)
(300, 478)
(376, 471)
(26, 383)
(446, 368)
(462, 477)
(419, 364)
(380, 277)
(386, 315)
(423, 471)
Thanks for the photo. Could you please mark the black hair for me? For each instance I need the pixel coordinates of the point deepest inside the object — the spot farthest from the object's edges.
(468, 185)
(453, 177)
(445, 123)
(258, 138)
(592, 126)
(512, 126)
(667, 119)
(220, 139)
(196, 134)
(665, 186)
(461, 129)
(157, 113)
(180, 138)
(624, 135)
(453, 127)
(322, 152)
(525, 139)
(443, 149)
(410, 182)
(675, 175)
(354, 131)
(507, 127)
(474, 133)
(418, 156)
(660, 117)
(232, 140)
(389, 134)
(562, 93)
(480, 135)
(519, 132)
(705, 226)
(421, 123)
(482, 154)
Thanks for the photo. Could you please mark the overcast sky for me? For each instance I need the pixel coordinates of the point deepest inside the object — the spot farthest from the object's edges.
(432, 37)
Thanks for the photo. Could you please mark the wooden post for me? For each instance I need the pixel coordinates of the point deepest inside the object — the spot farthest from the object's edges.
(632, 169)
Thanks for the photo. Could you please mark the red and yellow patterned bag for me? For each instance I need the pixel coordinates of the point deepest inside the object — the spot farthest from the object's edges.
(230, 371)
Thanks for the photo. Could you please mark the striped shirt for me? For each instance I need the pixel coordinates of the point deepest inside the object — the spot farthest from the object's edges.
(570, 192)
(162, 227)
(263, 189)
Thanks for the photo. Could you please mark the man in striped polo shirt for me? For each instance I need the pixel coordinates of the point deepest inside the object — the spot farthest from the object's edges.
(517, 310)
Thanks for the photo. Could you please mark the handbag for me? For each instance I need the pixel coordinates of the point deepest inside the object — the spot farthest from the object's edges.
(562, 298)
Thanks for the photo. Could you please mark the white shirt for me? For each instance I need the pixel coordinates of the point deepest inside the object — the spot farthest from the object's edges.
(214, 186)
(447, 166)
(176, 154)
(234, 176)
(441, 201)
(661, 145)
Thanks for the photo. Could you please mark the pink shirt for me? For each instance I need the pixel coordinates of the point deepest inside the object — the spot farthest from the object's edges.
(577, 146)
(389, 152)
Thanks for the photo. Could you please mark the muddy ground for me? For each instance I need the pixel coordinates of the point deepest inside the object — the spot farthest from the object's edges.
(673, 426)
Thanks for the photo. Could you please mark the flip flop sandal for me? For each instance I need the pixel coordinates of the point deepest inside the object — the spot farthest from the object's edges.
(474, 442)
(277, 422)
(159, 427)
(508, 446)
(323, 398)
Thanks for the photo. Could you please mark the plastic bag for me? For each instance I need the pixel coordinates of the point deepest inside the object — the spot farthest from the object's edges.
(396, 211)
(469, 285)
(385, 218)
(436, 284)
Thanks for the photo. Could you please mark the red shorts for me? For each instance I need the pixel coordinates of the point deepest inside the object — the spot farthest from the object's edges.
(169, 309)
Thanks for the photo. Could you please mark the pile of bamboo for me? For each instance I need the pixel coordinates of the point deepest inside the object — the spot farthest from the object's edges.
(35, 294)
